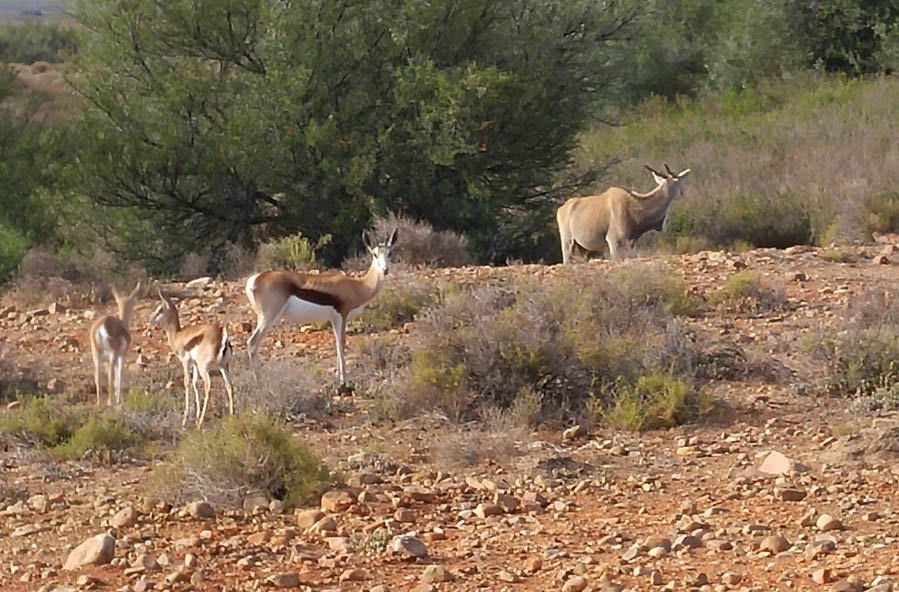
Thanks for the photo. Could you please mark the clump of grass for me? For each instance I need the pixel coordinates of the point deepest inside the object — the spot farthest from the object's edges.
(745, 291)
(657, 283)
(837, 255)
(292, 252)
(540, 350)
(496, 439)
(97, 434)
(288, 388)
(241, 453)
(67, 431)
(396, 306)
(153, 416)
(657, 400)
(43, 421)
(861, 358)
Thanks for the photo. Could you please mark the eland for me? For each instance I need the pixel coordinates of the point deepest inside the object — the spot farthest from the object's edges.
(617, 216)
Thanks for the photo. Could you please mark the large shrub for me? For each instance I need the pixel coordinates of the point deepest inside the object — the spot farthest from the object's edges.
(241, 453)
(550, 350)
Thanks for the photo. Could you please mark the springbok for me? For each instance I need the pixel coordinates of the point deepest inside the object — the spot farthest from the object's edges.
(618, 215)
(201, 348)
(305, 298)
(110, 340)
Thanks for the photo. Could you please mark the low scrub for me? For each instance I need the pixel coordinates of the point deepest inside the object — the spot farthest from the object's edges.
(291, 252)
(395, 306)
(746, 291)
(67, 431)
(225, 461)
(543, 350)
(861, 358)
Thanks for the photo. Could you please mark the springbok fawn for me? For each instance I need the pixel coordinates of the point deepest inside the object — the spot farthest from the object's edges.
(201, 348)
(110, 340)
(617, 216)
(315, 297)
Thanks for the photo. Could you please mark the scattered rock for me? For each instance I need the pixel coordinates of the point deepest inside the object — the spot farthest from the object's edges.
(407, 545)
(487, 509)
(575, 584)
(790, 494)
(774, 544)
(290, 579)
(434, 574)
(776, 463)
(822, 576)
(96, 550)
(337, 500)
(125, 517)
(826, 523)
(307, 518)
(201, 510)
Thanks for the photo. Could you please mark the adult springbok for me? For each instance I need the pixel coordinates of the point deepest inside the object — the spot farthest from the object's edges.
(110, 340)
(305, 298)
(200, 348)
(618, 215)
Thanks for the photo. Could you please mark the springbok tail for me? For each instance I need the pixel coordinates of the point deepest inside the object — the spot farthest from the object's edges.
(225, 349)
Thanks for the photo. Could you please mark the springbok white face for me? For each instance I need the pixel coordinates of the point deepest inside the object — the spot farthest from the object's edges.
(381, 252)
(162, 311)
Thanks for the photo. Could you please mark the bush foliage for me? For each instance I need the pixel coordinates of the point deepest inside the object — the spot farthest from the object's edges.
(242, 453)
(543, 350)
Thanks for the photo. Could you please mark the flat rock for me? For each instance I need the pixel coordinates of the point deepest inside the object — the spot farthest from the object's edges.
(289, 579)
(337, 500)
(125, 517)
(434, 574)
(575, 584)
(407, 545)
(307, 518)
(774, 544)
(201, 510)
(96, 550)
(776, 463)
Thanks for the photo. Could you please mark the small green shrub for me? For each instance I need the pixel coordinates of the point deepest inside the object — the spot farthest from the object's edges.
(43, 421)
(292, 252)
(837, 255)
(68, 431)
(396, 306)
(27, 43)
(241, 453)
(861, 357)
(657, 400)
(97, 433)
(882, 213)
(745, 291)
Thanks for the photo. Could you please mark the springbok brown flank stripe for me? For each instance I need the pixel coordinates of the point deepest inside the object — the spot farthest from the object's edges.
(315, 296)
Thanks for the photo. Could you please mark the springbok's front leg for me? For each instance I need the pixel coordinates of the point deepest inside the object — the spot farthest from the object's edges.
(185, 366)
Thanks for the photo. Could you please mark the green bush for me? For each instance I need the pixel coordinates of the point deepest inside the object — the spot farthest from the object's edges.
(861, 356)
(68, 431)
(27, 43)
(96, 434)
(292, 252)
(745, 291)
(43, 421)
(657, 400)
(542, 349)
(241, 453)
(396, 305)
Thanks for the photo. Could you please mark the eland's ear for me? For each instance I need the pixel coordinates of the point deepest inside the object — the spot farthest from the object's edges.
(393, 236)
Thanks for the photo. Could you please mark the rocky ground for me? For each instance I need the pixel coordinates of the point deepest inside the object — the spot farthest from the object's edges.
(790, 490)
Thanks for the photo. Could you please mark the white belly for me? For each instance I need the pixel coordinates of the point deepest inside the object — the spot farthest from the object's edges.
(304, 313)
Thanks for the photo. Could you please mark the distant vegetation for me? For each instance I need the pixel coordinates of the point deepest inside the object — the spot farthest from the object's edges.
(286, 134)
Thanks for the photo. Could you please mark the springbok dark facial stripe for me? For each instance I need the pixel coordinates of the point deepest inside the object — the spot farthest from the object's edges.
(316, 297)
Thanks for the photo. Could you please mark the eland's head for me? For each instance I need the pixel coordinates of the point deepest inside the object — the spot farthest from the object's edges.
(670, 182)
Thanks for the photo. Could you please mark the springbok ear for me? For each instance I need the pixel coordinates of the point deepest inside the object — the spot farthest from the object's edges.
(136, 289)
(115, 293)
(683, 173)
(392, 238)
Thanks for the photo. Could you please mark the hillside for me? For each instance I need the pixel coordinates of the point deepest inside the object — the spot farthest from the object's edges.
(674, 509)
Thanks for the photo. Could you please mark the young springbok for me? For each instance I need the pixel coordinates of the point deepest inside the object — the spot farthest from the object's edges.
(305, 298)
(110, 340)
(617, 216)
(202, 347)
